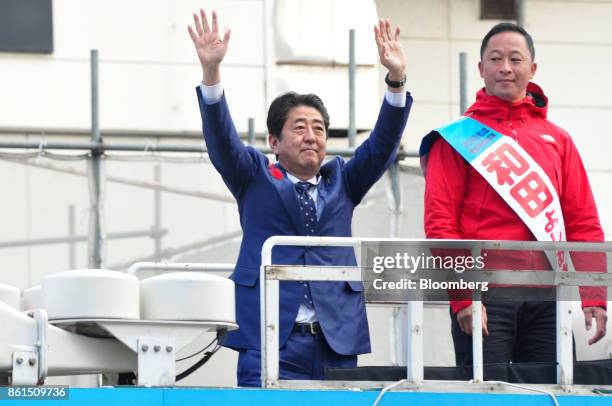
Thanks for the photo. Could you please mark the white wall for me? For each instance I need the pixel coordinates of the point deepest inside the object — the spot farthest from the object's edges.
(148, 68)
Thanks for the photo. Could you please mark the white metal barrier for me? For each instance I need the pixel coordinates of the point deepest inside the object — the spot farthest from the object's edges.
(177, 266)
(270, 276)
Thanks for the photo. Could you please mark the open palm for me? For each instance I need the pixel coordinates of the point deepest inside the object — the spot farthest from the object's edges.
(211, 48)
(389, 47)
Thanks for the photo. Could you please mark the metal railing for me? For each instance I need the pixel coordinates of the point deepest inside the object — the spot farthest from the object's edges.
(176, 267)
(270, 275)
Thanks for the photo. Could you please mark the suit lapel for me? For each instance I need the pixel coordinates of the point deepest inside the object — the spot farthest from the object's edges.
(286, 191)
(323, 191)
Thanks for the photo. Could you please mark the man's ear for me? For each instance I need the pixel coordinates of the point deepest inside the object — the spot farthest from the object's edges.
(534, 68)
(273, 142)
(480, 67)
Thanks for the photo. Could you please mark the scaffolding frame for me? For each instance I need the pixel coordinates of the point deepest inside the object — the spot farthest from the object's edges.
(96, 147)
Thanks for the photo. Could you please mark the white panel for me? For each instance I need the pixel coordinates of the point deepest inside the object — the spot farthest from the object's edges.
(163, 98)
(14, 181)
(474, 81)
(589, 85)
(332, 86)
(600, 184)
(586, 127)
(49, 217)
(417, 19)
(588, 21)
(132, 96)
(428, 70)
(317, 30)
(424, 117)
(244, 17)
(132, 30)
(220, 370)
(243, 90)
(152, 30)
(43, 92)
(361, 18)
(465, 22)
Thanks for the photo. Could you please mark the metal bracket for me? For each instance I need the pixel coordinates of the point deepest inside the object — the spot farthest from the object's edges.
(25, 368)
(30, 367)
(42, 321)
(156, 361)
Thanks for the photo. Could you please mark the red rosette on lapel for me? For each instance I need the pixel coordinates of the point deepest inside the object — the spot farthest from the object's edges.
(275, 172)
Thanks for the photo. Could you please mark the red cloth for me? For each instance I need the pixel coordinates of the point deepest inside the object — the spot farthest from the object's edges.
(460, 204)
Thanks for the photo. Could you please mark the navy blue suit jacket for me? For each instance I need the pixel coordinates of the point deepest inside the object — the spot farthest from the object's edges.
(268, 206)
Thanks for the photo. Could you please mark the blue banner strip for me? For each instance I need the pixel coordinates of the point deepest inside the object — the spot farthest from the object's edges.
(275, 397)
(468, 137)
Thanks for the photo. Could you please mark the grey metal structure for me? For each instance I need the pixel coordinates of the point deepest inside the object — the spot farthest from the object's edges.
(251, 132)
(520, 12)
(352, 72)
(270, 276)
(154, 147)
(462, 82)
(94, 166)
(97, 148)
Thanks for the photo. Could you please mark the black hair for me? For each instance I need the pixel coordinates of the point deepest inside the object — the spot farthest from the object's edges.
(504, 27)
(280, 107)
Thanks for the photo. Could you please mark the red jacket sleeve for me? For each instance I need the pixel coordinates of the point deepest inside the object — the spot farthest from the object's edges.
(445, 183)
(582, 222)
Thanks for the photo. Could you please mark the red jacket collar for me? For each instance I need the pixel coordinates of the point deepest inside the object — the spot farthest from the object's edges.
(495, 108)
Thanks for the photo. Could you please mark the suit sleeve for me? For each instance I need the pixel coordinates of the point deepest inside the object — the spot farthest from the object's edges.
(235, 162)
(445, 186)
(582, 222)
(374, 156)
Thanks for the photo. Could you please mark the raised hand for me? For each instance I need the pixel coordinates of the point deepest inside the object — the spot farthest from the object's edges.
(390, 49)
(210, 47)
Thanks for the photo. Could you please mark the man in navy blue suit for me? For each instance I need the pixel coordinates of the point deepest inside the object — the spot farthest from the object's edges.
(322, 324)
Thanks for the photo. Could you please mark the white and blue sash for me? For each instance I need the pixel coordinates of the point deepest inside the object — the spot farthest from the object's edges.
(515, 176)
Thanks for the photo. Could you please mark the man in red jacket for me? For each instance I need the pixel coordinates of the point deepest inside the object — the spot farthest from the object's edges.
(461, 204)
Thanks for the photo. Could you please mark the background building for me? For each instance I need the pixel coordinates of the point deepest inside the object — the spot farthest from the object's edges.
(175, 206)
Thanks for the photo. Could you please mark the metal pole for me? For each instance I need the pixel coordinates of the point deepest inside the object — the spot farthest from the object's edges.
(251, 133)
(71, 235)
(30, 242)
(352, 129)
(179, 266)
(415, 371)
(95, 226)
(462, 82)
(477, 356)
(520, 12)
(151, 148)
(157, 213)
(565, 353)
(396, 197)
(268, 49)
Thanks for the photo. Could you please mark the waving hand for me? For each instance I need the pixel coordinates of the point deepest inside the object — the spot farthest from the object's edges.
(390, 49)
(211, 48)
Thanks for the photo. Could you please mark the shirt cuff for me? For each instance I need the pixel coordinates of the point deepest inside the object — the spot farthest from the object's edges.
(212, 94)
(395, 99)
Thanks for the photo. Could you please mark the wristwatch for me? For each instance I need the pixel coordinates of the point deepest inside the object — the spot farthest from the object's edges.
(394, 84)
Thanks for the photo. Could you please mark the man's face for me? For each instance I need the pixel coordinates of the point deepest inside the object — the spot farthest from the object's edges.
(301, 149)
(507, 66)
